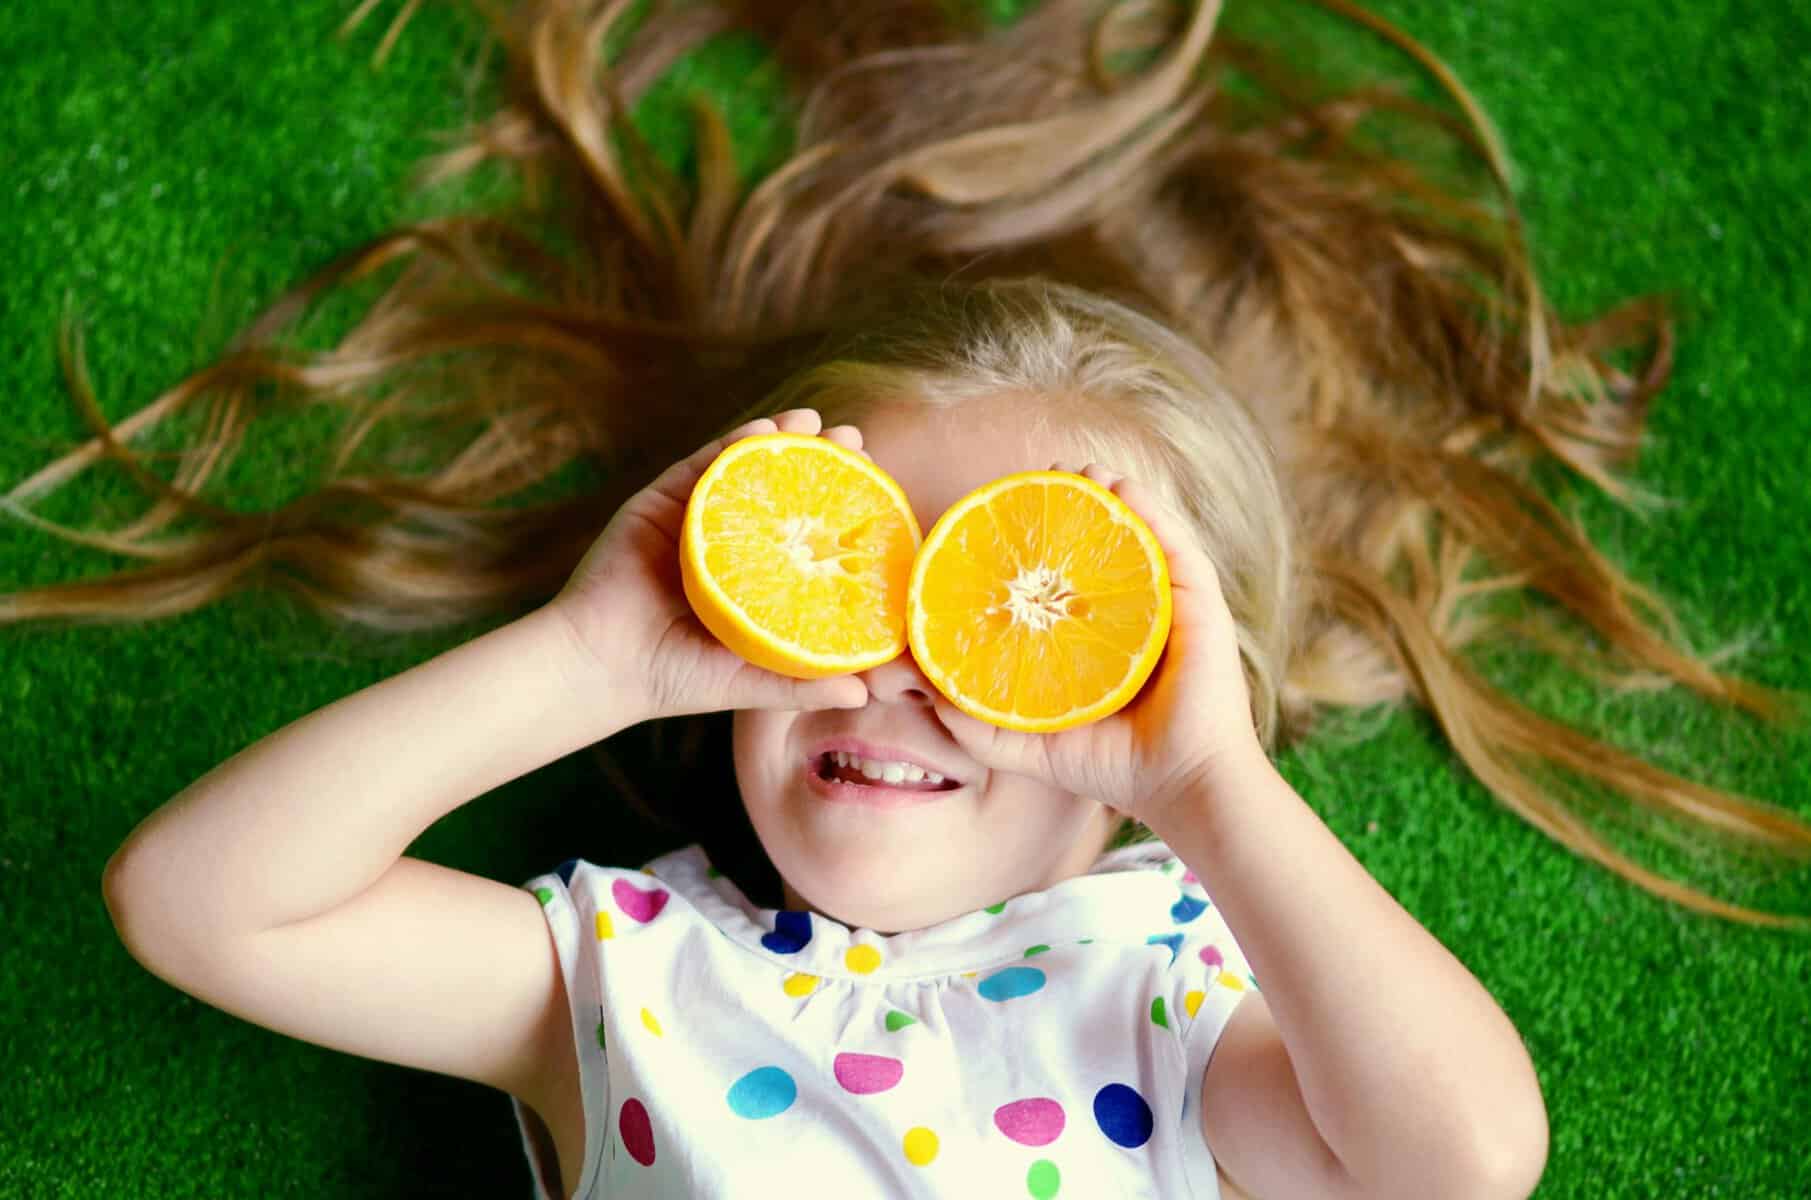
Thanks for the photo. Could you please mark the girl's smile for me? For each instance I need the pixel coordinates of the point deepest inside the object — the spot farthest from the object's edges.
(844, 777)
(848, 770)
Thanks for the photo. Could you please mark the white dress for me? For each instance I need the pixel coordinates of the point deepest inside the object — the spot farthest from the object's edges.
(1050, 1046)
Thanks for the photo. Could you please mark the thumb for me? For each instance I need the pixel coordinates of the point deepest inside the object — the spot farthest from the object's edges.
(782, 692)
(995, 748)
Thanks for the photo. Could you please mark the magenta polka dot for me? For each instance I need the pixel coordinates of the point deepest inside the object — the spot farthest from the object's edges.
(637, 1132)
(1190, 877)
(1033, 1122)
(1211, 956)
(865, 1074)
(644, 906)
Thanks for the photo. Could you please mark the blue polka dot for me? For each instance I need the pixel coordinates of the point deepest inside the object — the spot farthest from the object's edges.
(1187, 909)
(1013, 981)
(565, 869)
(791, 932)
(1172, 940)
(767, 1092)
(1123, 1115)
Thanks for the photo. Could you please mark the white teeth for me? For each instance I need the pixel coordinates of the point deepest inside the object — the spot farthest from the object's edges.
(884, 772)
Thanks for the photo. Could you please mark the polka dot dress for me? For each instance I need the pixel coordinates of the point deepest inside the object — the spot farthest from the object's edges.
(1051, 1045)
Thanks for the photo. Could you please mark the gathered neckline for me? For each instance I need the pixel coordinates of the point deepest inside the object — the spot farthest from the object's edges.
(1128, 895)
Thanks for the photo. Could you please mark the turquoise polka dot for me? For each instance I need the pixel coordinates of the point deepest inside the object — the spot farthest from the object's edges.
(1172, 940)
(763, 1092)
(1011, 983)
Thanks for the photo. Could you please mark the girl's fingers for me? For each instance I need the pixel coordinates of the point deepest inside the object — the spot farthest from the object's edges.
(800, 420)
(1104, 476)
(675, 483)
(846, 436)
(1189, 567)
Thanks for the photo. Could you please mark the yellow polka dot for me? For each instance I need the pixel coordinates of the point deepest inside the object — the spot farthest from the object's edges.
(1232, 981)
(647, 870)
(1192, 1002)
(970, 974)
(647, 1018)
(862, 959)
(604, 928)
(800, 984)
(920, 1146)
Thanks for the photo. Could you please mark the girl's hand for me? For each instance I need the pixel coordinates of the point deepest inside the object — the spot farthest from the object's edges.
(1191, 719)
(628, 609)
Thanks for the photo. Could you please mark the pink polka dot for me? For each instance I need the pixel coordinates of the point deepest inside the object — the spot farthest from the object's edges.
(1034, 1122)
(1190, 877)
(865, 1074)
(637, 1132)
(643, 906)
(1211, 956)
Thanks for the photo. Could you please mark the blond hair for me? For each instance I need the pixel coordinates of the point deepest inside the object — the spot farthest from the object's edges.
(1327, 347)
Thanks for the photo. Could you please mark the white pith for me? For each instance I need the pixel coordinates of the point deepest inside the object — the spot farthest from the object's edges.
(1039, 597)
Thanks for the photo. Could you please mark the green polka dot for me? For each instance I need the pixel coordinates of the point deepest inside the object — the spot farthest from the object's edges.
(995, 908)
(712, 873)
(1158, 1017)
(1031, 950)
(544, 895)
(1085, 941)
(600, 1036)
(897, 1020)
(1043, 1179)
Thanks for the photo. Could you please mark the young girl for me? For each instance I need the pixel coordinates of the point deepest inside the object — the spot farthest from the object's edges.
(1326, 376)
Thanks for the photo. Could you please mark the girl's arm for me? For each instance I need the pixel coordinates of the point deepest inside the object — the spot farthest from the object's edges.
(1414, 1077)
(1372, 1064)
(275, 887)
(314, 814)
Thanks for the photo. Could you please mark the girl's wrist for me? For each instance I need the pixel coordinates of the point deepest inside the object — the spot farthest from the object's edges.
(596, 671)
(1238, 770)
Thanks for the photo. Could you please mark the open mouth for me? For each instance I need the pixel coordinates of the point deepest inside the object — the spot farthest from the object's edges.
(850, 770)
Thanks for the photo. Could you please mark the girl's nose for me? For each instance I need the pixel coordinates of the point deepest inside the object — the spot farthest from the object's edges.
(898, 682)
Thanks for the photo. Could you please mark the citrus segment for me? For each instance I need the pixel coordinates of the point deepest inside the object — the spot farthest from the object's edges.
(796, 552)
(1039, 602)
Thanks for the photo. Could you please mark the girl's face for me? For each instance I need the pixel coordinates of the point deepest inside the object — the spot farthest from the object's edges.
(995, 835)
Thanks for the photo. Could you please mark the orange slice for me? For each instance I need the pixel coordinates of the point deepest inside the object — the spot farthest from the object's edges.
(795, 553)
(1039, 602)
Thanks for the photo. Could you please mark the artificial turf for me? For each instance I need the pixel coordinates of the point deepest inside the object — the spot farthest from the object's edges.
(172, 167)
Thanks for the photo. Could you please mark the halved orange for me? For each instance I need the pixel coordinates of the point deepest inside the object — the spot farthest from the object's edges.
(795, 553)
(1039, 602)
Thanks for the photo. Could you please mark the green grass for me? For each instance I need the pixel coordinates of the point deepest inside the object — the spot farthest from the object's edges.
(174, 166)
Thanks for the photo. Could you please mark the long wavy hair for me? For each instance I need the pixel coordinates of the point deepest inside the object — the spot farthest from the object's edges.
(1307, 313)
